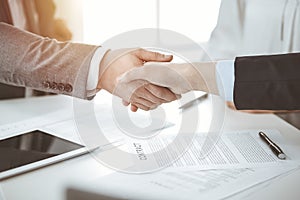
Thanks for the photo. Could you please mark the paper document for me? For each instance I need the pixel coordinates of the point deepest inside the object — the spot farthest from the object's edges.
(184, 184)
(209, 184)
(241, 149)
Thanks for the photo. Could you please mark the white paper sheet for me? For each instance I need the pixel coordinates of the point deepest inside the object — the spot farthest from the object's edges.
(184, 184)
(211, 184)
(240, 149)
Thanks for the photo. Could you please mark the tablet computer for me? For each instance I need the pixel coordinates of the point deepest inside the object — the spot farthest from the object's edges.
(34, 149)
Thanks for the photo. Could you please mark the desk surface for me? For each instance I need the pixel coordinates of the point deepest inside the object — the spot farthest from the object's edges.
(50, 182)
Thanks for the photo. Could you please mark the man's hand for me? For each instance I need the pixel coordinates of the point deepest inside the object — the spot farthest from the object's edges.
(140, 94)
(179, 78)
(149, 97)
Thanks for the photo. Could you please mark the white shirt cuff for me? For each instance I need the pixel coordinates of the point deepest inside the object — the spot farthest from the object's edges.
(93, 75)
(225, 79)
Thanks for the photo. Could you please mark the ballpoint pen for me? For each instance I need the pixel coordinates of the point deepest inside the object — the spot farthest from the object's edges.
(274, 147)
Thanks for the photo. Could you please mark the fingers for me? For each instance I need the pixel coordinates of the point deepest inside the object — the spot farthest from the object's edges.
(150, 97)
(125, 103)
(152, 56)
(139, 105)
(145, 100)
(133, 108)
(161, 92)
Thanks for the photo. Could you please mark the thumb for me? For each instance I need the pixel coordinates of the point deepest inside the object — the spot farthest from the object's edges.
(153, 56)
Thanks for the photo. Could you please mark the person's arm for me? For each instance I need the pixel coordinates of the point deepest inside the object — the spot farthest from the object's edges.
(255, 82)
(75, 69)
(225, 78)
(41, 63)
(262, 82)
(180, 78)
(267, 82)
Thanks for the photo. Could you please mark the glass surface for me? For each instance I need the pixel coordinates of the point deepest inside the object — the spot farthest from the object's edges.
(31, 147)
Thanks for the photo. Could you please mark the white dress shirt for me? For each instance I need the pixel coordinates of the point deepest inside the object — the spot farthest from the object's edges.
(225, 78)
(93, 75)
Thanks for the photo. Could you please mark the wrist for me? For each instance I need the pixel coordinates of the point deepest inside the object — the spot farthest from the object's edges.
(202, 77)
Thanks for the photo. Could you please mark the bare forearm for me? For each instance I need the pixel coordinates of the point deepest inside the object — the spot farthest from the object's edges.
(202, 76)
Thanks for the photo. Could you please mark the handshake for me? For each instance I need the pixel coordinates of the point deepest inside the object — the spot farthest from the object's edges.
(146, 79)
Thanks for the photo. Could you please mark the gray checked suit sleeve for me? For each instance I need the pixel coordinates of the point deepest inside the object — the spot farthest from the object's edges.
(45, 64)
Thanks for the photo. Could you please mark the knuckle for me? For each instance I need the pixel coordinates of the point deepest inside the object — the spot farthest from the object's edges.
(144, 108)
(150, 98)
(156, 105)
(154, 89)
(132, 98)
(160, 92)
(140, 50)
(171, 96)
(154, 108)
(157, 55)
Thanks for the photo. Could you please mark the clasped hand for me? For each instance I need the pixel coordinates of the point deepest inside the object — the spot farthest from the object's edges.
(139, 93)
(179, 78)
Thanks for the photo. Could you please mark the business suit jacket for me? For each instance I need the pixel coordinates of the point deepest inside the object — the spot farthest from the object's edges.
(38, 17)
(45, 64)
(268, 82)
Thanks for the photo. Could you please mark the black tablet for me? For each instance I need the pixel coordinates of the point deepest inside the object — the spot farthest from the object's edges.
(34, 149)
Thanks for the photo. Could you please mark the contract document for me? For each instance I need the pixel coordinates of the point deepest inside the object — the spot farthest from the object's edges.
(239, 149)
(174, 183)
(209, 184)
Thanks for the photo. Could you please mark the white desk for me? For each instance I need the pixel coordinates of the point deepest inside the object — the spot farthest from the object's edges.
(49, 182)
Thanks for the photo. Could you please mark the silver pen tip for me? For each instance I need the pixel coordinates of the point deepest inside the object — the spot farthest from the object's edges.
(282, 156)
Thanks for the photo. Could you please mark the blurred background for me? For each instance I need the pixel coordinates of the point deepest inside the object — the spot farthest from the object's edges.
(94, 21)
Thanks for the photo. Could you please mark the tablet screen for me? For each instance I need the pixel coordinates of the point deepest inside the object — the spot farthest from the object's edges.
(31, 147)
